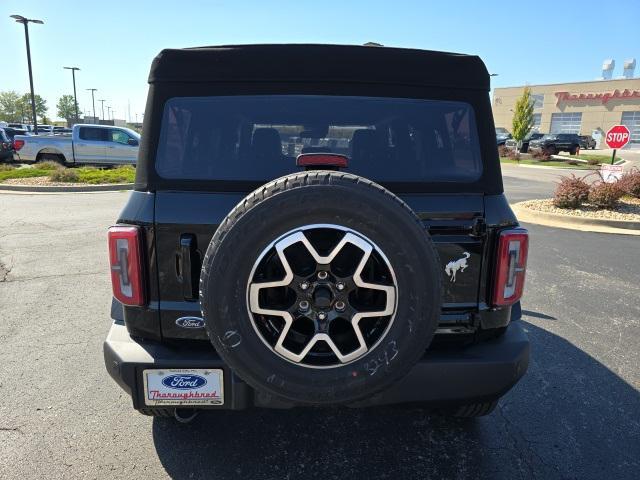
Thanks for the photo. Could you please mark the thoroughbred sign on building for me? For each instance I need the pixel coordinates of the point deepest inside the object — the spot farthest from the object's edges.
(581, 107)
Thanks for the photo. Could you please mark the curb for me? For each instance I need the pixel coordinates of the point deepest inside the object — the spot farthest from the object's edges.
(80, 188)
(554, 168)
(599, 225)
(620, 161)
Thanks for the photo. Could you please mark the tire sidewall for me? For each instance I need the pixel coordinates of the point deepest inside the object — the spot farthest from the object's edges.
(386, 222)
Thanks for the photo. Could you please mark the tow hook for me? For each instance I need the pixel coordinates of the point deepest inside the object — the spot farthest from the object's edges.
(185, 415)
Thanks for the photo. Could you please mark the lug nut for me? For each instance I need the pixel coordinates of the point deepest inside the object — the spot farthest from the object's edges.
(340, 306)
(303, 306)
(322, 316)
(340, 286)
(304, 285)
(322, 275)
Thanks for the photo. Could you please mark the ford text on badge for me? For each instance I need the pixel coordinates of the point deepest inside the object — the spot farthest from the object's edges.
(184, 382)
(190, 322)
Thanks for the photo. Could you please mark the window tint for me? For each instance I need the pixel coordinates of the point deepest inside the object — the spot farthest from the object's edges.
(119, 136)
(259, 137)
(93, 134)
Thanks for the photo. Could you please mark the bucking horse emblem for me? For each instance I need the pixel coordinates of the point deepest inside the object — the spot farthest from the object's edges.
(454, 266)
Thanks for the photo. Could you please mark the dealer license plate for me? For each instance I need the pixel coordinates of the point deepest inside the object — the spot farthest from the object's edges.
(183, 387)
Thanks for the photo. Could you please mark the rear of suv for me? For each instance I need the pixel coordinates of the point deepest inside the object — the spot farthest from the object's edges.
(554, 143)
(303, 236)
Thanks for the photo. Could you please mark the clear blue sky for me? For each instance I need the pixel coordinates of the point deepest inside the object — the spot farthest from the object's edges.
(113, 42)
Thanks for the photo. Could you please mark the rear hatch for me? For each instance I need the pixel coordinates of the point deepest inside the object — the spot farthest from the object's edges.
(217, 149)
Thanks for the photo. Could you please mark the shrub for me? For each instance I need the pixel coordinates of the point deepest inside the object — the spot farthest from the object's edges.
(49, 165)
(571, 192)
(630, 183)
(605, 195)
(6, 168)
(541, 155)
(64, 175)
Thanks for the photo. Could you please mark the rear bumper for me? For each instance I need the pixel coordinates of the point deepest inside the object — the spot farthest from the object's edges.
(481, 372)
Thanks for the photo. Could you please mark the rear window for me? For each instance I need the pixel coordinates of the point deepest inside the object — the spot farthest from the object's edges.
(93, 134)
(259, 137)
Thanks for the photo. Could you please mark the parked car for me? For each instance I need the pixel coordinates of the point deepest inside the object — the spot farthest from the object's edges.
(556, 142)
(61, 130)
(244, 275)
(502, 135)
(587, 141)
(45, 130)
(6, 146)
(12, 132)
(20, 126)
(502, 138)
(512, 143)
(87, 144)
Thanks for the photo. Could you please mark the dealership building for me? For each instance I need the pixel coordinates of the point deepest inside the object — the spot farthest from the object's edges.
(586, 108)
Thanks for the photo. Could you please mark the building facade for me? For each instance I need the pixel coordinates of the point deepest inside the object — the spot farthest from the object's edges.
(585, 108)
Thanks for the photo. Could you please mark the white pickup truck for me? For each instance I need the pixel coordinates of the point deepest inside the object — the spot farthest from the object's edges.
(87, 144)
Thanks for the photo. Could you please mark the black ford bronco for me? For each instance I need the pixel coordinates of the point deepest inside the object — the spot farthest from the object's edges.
(316, 225)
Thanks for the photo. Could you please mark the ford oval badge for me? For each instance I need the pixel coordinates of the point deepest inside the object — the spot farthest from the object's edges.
(184, 381)
(190, 322)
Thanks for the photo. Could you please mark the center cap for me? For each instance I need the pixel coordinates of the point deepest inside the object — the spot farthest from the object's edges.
(322, 297)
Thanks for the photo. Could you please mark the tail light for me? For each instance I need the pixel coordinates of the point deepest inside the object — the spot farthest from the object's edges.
(513, 247)
(125, 260)
(18, 144)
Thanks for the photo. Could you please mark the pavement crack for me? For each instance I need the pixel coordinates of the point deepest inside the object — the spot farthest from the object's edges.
(10, 429)
(38, 277)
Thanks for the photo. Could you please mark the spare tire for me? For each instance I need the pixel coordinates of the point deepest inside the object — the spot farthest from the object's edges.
(321, 287)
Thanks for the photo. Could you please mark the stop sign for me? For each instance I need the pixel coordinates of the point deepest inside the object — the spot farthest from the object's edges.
(617, 136)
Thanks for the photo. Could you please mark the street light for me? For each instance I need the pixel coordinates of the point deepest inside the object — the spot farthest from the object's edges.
(25, 22)
(93, 101)
(75, 98)
(102, 102)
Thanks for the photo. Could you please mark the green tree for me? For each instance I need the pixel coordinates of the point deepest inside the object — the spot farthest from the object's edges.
(10, 106)
(66, 107)
(523, 117)
(41, 107)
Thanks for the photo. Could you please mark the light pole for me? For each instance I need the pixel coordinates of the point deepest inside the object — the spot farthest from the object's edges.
(75, 98)
(102, 103)
(25, 22)
(93, 101)
(108, 112)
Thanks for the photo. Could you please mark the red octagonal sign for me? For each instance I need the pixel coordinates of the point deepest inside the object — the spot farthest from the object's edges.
(617, 136)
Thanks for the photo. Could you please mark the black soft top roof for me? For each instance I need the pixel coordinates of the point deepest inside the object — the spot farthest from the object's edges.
(310, 62)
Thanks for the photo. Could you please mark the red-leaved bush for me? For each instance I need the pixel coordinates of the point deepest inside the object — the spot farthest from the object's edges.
(630, 183)
(605, 195)
(571, 192)
(541, 155)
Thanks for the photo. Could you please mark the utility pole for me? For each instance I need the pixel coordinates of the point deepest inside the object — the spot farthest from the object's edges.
(102, 100)
(25, 22)
(75, 97)
(93, 101)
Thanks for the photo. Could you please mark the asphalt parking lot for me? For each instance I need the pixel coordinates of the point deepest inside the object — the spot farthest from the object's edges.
(576, 414)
